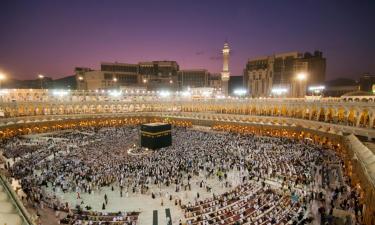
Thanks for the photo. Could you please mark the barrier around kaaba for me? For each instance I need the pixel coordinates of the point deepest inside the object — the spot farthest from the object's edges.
(156, 135)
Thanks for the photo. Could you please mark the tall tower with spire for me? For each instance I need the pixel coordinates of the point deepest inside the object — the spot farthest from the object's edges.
(225, 73)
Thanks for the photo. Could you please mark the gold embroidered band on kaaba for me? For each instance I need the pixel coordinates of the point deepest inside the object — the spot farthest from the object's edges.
(150, 134)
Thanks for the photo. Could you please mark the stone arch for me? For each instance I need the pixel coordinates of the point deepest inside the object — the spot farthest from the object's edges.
(10, 111)
(253, 110)
(78, 109)
(275, 111)
(99, 109)
(38, 110)
(364, 118)
(118, 108)
(106, 108)
(21, 110)
(290, 111)
(47, 110)
(85, 109)
(125, 108)
(283, 110)
(351, 117)
(321, 114)
(313, 113)
(68, 109)
(329, 115)
(340, 116)
(92, 109)
(112, 108)
(298, 112)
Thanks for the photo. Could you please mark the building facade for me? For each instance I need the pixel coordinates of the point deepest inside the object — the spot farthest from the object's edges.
(193, 78)
(276, 74)
(367, 82)
(340, 86)
(258, 76)
(155, 75)
(151, 75)
(215, 81)
(235, 83)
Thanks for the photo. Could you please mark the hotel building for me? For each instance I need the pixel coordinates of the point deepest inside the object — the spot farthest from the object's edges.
(276, 74)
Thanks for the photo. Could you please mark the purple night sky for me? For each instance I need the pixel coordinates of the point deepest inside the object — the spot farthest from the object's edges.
(52, 37)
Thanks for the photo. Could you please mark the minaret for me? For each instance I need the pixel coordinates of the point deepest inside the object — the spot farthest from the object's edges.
(225, 73)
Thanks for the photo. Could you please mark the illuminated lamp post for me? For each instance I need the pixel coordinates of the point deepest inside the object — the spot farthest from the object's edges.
(279, 92)
(115, 81)
(240, 92)
(80, 82)
(301, 79)
(316, 90)
(41, 77)
(2, 77)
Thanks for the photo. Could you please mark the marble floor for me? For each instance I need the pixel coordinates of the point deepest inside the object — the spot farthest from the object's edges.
(143, 202)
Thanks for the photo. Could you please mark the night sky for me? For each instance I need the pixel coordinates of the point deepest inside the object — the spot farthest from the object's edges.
(52, 37)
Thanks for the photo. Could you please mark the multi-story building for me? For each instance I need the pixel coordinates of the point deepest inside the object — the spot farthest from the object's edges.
(258, 76)
(316, 67)
(340, 86)
(80, 74)
(159, 74)
(193, 78)
(235, 83)
(215, 81)
(367, 83)
(68, 82)
(276, 74)
(152, 75)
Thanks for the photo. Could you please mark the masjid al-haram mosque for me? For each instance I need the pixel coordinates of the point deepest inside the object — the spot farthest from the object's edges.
(194, 156)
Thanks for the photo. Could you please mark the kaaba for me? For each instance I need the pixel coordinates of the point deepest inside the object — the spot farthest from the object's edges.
(156, 135)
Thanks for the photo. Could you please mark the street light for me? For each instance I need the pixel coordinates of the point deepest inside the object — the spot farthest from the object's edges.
(240, 92)
(301, 76)
(80, 78)
(317, 89)
(115, 81)
(41, 77)
(279, 91)
(164, 93)
(2, 77)
(144, 80)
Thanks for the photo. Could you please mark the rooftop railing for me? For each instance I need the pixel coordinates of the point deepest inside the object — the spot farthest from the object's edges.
(20, 208)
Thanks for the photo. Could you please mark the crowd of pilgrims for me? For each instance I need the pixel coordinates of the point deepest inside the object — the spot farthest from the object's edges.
(88, 159)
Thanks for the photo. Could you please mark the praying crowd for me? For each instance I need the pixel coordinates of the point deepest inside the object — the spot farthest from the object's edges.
(279, 182)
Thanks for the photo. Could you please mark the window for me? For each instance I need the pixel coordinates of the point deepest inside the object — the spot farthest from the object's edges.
(108, 76)
(127, 79)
